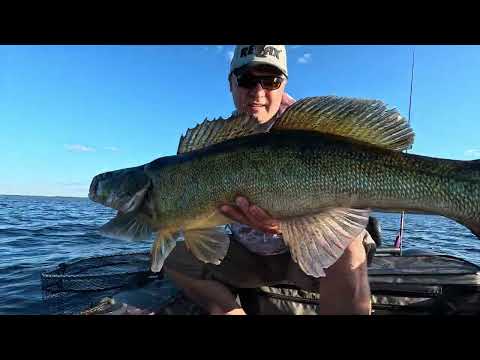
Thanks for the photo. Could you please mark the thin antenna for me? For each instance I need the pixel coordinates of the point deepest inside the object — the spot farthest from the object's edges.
(399, 238)
(411, 86)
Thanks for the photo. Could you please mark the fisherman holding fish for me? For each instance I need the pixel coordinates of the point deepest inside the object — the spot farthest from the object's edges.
(296, 181)
(257, 255)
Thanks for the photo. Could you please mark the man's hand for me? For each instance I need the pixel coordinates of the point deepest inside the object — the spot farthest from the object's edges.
(251, 215)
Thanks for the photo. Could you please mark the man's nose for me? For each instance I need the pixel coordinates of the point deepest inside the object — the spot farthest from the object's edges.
(258, 89)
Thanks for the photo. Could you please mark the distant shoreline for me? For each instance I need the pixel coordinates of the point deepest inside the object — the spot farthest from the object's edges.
(47, 196)
(86, 198)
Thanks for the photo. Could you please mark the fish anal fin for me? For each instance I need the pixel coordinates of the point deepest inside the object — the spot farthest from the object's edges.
(317, 241)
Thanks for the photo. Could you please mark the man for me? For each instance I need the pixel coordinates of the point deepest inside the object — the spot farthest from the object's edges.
(257, 255)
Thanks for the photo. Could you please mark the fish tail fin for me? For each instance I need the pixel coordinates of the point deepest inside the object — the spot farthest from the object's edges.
(469, 173)
(473, 226)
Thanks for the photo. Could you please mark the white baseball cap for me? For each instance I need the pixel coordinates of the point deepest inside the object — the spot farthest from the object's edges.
(249, 55)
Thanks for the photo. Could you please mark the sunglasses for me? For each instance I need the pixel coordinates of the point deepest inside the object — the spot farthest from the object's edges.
(268, 82)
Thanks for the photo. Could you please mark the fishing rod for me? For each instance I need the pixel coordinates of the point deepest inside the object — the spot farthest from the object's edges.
(399, 238)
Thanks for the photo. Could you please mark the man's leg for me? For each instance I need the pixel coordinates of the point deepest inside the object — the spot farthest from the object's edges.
(345, 289)
(212, 296)
(193, 277)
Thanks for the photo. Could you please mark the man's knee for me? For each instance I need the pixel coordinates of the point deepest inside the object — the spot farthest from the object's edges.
(347, 283)
(362, 307)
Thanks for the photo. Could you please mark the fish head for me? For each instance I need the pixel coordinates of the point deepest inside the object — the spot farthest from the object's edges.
(123, 190)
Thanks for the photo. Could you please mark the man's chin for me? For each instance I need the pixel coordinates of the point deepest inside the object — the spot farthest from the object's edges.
(260, 116)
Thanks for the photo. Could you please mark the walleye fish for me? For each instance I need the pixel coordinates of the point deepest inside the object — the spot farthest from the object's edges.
(325, 164)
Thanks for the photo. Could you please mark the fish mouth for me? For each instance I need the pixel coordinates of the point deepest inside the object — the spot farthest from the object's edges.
(92, 192)
(105, 190)
(93, 188)
(116, 189)
(96, 192)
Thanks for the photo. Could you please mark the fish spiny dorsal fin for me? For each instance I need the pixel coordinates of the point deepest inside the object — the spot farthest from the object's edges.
(211, 132)
(360, 119)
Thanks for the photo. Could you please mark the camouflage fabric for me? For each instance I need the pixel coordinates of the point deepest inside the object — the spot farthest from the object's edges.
(400, 285)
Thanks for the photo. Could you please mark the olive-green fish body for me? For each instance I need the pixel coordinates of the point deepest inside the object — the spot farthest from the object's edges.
(295, 173)
(321, 169)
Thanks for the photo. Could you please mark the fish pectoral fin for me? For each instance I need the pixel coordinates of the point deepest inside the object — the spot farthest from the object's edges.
(162, 247)
(317, 241)
(208, 245)
(127, 227)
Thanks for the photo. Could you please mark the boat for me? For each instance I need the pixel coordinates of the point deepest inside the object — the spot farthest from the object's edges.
(402, 282)
(414, 282)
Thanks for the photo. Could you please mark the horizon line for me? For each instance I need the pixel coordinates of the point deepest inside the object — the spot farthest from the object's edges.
(62, 196)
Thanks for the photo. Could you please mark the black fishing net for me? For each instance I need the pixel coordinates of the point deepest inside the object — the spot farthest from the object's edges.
(73, 286)
(98, 273)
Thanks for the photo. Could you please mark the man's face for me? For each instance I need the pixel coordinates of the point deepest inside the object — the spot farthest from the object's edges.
(261, 103)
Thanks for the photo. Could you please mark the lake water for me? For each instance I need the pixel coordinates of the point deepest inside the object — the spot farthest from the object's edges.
(38, 233)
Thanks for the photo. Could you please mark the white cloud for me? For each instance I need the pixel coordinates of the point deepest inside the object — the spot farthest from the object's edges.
(306, 58)
(111, 148)
(79, 148)
(229, 56)
(475, 153)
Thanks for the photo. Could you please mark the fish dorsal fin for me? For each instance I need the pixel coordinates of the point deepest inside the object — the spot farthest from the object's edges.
(360, 119)
(317, 241)
(215, 131)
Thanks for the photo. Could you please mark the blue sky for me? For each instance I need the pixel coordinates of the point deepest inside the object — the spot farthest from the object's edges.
(68, 113)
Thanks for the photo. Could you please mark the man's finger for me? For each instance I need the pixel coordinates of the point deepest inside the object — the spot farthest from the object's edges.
(268, 222)
(271, 229)
(235, 214)
(257, 218)
(242, 203)
(265, 226)
(257, 222)
(244, 206)
(260, 214)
